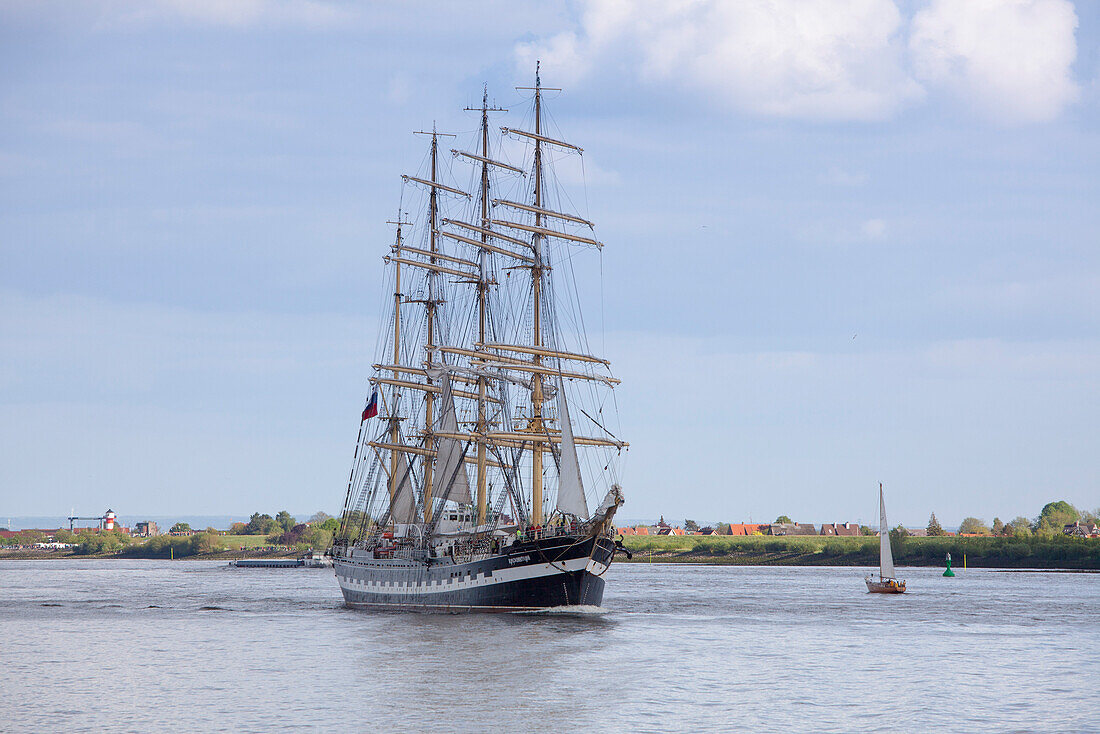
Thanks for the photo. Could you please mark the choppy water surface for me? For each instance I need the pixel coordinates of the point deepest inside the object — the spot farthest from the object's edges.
(146, 645)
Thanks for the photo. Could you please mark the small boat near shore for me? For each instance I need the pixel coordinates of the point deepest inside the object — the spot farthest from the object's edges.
(887, 582)
(309, 560)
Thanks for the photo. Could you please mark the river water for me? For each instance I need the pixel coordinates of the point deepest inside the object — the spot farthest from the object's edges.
(158, 645)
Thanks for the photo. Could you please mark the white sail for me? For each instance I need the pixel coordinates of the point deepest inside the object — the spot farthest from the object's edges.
(886, 556)
(449, 451)
(403, 506)
(570, 488)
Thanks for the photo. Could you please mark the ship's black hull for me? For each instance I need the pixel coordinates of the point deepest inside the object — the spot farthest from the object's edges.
(554, 572)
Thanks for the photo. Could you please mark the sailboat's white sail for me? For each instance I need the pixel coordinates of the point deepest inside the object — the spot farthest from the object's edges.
(886, 556)
(403, 505)
(570, 488)
(449, 450)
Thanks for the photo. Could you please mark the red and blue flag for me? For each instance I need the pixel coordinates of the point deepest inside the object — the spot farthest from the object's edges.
(372, 407)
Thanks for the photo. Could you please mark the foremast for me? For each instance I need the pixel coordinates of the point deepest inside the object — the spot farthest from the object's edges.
(430, 307)
(542, 357)
(482, 425)
(535, 426)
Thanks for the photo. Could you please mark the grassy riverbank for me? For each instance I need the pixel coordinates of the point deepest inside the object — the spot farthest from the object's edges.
(35, 554)
(758, 550)
(764, 550)
(202, 546)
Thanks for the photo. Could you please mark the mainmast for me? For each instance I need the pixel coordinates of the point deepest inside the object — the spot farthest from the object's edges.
(430, 305)
(429, 402)
(536, 426)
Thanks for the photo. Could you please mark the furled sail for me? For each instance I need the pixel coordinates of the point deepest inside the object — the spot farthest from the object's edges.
(449, 461)
(570, 489)
(403, 506)
(611, 502)
(886, 556)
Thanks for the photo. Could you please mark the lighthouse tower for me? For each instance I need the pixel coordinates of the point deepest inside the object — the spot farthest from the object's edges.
(109, 520)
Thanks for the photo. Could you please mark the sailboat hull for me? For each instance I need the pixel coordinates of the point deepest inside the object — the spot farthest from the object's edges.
(885, 586)
(554, 572)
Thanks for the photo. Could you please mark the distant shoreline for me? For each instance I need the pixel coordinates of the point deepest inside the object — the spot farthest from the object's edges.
(228, 555)
(809, 561)
(655, 558)
(1032, 553)
(1035, 552)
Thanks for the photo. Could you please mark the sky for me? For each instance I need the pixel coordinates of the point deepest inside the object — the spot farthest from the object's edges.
(845, 243)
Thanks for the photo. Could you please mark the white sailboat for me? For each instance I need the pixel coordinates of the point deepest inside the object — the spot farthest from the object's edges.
(887, 582)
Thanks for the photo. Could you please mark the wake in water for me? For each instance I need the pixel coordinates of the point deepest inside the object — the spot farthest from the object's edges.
(573, 610)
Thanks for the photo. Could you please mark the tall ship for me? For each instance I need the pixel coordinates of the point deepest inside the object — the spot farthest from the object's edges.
(485, 474)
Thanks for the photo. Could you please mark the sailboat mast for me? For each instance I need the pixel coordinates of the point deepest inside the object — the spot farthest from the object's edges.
(482, 294)
(536, 425)
(429, 438)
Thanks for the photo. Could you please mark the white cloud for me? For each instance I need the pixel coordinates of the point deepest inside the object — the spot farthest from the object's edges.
(838, 176)
(829, 59)
(399, 89)
(1017, 361)
(843, 231)
(1009, 59)
(575, 170)
(1065, 297)
(566, 167)
(873, 229)
(833, 59)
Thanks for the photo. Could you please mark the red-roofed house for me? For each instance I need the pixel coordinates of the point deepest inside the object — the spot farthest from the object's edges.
(48, 532)
(847, 529)
(839, 528)
(749, 529)
(1081, 529)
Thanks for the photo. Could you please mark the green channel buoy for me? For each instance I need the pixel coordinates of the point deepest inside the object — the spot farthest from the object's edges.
(949, 572)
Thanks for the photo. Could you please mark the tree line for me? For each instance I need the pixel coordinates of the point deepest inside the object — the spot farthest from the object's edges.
(283, 529)
(1050, 522)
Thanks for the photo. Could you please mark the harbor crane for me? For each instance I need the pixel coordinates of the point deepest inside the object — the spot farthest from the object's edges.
(106, 521)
